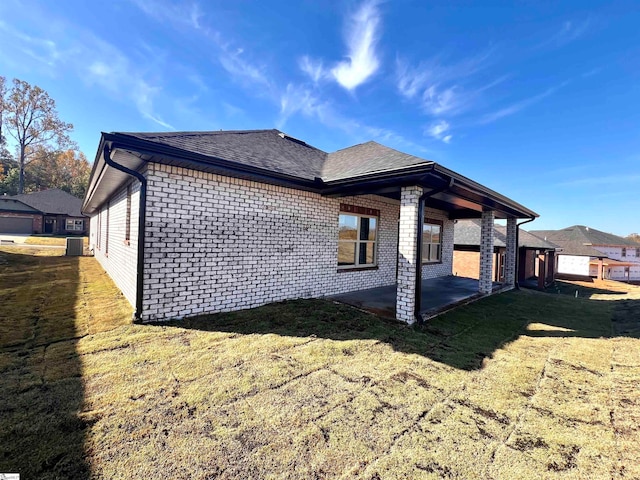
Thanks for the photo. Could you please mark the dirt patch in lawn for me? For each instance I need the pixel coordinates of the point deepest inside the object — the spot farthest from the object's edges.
(519, 385)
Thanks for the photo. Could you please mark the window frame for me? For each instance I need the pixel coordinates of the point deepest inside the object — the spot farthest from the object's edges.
(106, 236)
(432, 222)
(624, 252)
(360, 213)
(99, 238)
(74, 226)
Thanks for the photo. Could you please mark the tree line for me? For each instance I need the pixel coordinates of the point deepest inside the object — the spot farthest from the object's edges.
(44, 156)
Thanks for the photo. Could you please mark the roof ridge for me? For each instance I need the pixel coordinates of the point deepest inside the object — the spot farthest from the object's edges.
(187, 133)
(357, 145)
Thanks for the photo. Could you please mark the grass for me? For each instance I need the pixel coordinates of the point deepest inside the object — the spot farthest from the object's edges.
(59, 241)
(519, 385)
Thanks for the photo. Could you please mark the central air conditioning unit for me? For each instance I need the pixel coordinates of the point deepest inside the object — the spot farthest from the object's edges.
(75, 246)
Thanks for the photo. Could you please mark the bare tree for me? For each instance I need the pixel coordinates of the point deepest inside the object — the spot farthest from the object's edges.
(32, 119)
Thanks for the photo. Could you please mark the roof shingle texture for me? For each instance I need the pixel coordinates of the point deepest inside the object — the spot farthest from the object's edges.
(467, 232)
(264, 149)
(275, 151)
(53, 201)
(366, 158)
(577, 240)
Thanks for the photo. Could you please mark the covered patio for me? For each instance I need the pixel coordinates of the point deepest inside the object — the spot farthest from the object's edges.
(437, 295)
(431, 199)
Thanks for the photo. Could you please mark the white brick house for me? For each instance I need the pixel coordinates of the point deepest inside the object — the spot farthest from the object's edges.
(200, 222)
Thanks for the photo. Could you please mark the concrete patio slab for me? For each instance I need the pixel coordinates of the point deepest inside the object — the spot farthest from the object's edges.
(438, 294)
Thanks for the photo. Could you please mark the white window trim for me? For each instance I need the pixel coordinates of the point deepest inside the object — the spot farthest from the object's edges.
(74, 225)
(358, 242)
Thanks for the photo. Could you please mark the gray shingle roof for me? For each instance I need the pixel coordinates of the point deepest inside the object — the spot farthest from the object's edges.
(14, 205)
(275, 151)
(577, 240)
(467, 232)
(366, 158)
(269, 150)
(273, 157)
(53, 201)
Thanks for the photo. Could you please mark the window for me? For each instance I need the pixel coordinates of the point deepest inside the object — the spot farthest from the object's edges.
(106, 236)
(74, 225)
(637, 252)
(127, 232)
(357, 237)
(99, 241)
(431, 241)
(624, 252)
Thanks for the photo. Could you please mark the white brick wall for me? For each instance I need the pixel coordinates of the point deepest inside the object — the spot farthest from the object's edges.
(121, 261)
(510, 255)
(407, 250)
(486, 252)
(217, 243)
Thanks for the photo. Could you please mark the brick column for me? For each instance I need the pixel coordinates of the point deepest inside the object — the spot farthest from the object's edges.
(510, 255)
(600, 267)
(407, 244)
(486, 252)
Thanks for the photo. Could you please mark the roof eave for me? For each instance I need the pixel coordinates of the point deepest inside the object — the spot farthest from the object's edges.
(156, 152)
(472, 185)
(419, 175)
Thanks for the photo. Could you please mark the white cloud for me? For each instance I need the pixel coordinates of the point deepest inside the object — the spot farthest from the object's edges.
(43, 50)
(300, 99)
(99, 69)
(570, 31)
(297, 98)
(518, 106)
(362, 36)
(232, 110)
(118, 75)
(178, 13)
(235, 64)
(439, 130)
(195, 15)
(70, 48)
(601, 180)
(443, 89)
(313, 68)
(439, 102)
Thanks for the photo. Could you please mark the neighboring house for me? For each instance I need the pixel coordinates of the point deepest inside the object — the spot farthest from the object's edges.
(593, 253)
(536, 258)
(49, 211)
(197, 222)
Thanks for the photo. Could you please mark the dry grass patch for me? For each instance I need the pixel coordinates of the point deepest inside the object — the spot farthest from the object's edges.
(52, 240)
(520, 385)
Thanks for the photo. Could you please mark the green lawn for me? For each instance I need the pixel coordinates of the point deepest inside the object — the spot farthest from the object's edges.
(519, 385)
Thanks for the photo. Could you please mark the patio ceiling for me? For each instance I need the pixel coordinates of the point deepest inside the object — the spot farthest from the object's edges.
(459, 196)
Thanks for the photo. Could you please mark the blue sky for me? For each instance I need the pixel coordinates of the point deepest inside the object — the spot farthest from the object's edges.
(537, 100)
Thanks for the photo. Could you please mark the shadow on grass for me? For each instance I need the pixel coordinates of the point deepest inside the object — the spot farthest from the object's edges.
(462, 338)
(41, 389)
